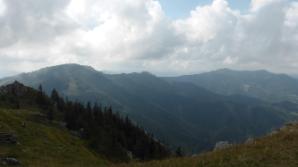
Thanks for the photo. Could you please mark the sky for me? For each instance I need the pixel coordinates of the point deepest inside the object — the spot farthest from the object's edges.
(176, 9)
(166, 37)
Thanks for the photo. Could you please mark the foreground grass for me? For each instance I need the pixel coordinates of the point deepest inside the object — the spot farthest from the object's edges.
(43, 144)
(279, 149)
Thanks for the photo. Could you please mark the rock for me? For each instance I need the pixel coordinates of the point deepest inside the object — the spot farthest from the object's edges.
(293, 130)
(221, 145)
(24, 124)
(10, 161)
(194, 155)
(129, 155)
(7, 138)
(290, 124)
(273, 133)
(62, 124)
(75, 133)
(250, 141)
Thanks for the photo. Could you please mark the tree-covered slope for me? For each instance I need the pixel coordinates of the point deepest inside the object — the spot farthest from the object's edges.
(278, 149)
(36, 128)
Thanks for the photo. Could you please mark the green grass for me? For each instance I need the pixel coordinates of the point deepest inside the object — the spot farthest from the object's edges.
(275, 150)
(44, 144)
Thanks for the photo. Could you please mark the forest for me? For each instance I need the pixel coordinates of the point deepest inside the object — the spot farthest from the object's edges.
(107, 133)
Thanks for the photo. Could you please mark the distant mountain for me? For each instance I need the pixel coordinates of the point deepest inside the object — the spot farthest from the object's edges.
(179, 113)
(294, 76)
(259, 84)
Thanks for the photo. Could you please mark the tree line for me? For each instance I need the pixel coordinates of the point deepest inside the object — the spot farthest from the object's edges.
(106, 132)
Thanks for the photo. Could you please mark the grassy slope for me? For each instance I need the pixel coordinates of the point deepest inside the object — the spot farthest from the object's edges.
(43, 144)
(275, 150)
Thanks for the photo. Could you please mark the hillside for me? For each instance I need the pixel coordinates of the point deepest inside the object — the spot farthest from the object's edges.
(181, 114)
(35, 128)
(43, 144)
(259, 84)
(278, 149)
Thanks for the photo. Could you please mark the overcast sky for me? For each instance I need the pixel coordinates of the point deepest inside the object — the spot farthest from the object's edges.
(167, 37)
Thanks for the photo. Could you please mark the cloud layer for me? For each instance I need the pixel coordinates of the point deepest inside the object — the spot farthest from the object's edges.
(136, 35)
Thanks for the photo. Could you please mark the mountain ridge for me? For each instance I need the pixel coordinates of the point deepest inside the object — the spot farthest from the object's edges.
(180, 113)
(259, 84)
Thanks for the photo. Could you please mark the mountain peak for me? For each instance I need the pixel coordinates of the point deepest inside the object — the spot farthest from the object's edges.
(68, 66)
(224, 70)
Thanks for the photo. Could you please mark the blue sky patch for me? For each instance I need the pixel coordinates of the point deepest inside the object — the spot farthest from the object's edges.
(176, 9)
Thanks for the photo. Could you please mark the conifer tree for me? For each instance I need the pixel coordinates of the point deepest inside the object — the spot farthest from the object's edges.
(179, 152)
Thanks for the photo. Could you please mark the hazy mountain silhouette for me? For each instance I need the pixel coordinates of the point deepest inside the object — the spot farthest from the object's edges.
(259, 84)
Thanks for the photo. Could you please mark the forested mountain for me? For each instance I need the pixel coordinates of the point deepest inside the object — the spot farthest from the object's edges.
(104, 132)
(259, 84)
(182, 114)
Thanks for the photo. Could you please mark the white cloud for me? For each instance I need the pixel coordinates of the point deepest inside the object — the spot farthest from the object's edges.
(258, 4)
(222, 37)
(206, 21)
(2, 8)
(136, 35)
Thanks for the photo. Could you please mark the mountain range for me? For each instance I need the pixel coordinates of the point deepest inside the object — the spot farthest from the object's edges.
(258, 84)
(193, 111)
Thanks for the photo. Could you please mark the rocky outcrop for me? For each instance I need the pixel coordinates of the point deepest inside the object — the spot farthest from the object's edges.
(221, 145)
(9, 161)
(7, 138)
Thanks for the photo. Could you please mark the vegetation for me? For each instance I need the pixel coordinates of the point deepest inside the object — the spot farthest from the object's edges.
(40, 143)
(100, 131)
(111, 135)
(278, 149)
